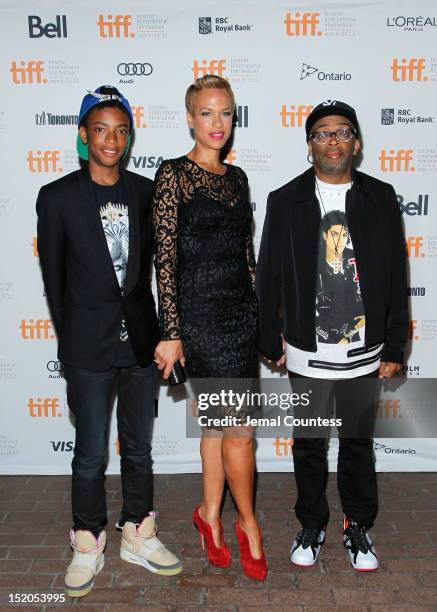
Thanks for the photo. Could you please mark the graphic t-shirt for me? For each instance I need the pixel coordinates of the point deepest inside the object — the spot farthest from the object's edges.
(114, 214)
(340, 320)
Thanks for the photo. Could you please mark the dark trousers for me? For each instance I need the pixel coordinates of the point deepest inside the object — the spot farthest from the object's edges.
(89, 397)
(356, 476)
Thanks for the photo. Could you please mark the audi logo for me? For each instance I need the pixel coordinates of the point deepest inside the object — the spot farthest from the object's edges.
(55, 366)
(136, 69)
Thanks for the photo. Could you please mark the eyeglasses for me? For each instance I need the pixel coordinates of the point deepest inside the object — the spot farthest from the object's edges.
(342, 135)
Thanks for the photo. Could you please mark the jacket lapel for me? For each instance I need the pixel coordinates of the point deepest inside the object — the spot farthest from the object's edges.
(133, 261)
(90, 209)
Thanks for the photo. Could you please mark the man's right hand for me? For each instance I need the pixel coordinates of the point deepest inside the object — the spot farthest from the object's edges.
(167, 353)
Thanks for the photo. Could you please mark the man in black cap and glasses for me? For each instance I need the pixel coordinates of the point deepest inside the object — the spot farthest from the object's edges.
(331, 284)
(95, 248)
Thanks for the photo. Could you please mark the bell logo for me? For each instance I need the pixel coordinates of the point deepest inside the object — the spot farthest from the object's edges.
(414, 246)
(43, 161)
(294, 116)
(388, 409)
(138, 114)
(396, 161)
(115, 26)
(230, 157)
(411, 330)
(27, 73)
(408, 71)
(302, 24)
(283, 446)
(51, 30)
(44, 407)
(36, 329)
(214, 66)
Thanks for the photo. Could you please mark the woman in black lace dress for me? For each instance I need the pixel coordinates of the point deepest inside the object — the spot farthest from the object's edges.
(205, 270)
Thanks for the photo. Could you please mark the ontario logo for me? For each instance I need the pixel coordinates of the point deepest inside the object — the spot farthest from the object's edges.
(308, 71)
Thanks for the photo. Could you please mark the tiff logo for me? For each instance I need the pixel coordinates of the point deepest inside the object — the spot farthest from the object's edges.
(411, 71)
(27, 73)
(115, 26)
(414, 246)
(302, 24)
(43, 161)
(388, 409)
(230, 157)
(138, 114)
(216, 67)
(283, 446)
(397, 161)
(295, 116)
(51, 30)
(39, 329)
(44, 407)
(412, 329)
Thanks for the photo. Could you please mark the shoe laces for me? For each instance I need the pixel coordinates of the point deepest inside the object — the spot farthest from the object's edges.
(307, 537)
(358, 537)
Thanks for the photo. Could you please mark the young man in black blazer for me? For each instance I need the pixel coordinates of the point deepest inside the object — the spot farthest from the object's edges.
(95, 247)
(331, 283)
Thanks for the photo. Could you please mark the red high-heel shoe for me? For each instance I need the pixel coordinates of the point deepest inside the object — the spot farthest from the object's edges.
(253, 568)
(220, 557)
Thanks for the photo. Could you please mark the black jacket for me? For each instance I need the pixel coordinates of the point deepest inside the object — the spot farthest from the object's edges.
(288, 259)
(83, 293)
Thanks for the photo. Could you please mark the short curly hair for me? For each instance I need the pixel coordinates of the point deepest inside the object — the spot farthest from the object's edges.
(209, 81)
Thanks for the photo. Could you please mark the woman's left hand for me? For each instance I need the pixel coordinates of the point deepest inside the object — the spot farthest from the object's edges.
(167, 353)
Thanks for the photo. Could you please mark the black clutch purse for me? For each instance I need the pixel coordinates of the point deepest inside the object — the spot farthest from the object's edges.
(177, 375)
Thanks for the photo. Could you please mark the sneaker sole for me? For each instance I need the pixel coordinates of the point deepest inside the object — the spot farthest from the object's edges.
(86, 588)
(131, 558)
(302, 565)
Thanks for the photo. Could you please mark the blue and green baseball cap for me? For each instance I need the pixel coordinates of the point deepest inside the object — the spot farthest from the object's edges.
(102, 95)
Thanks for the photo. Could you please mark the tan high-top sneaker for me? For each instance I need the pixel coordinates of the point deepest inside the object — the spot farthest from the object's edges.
(88, 561)
(140, 545)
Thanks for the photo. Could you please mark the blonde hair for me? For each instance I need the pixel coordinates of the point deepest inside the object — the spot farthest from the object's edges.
(209, 81)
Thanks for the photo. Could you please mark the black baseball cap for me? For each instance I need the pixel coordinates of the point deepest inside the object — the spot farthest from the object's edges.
(331, 107)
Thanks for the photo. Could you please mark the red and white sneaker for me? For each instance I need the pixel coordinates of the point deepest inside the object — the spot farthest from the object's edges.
(359, 545)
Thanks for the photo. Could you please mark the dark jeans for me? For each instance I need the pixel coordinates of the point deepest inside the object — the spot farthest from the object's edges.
(89, 397)
(356, 476)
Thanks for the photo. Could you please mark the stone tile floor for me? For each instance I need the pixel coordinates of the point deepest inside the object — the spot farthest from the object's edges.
(34, 550)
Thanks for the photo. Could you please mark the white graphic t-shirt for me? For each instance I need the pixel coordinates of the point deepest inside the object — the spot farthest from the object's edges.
(340, 320)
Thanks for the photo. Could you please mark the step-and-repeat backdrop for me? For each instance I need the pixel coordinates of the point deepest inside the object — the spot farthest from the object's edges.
(281, 59)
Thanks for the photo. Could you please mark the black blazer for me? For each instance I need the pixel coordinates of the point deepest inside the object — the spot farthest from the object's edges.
(287, 265)
(81, 286)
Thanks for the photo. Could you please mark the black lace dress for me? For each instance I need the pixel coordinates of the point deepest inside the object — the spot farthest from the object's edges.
(205, 268)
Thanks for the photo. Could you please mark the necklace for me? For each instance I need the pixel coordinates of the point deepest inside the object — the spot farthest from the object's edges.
(337, 263)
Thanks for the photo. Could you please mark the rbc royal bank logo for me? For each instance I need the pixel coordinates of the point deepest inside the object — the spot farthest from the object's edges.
(205, 25)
